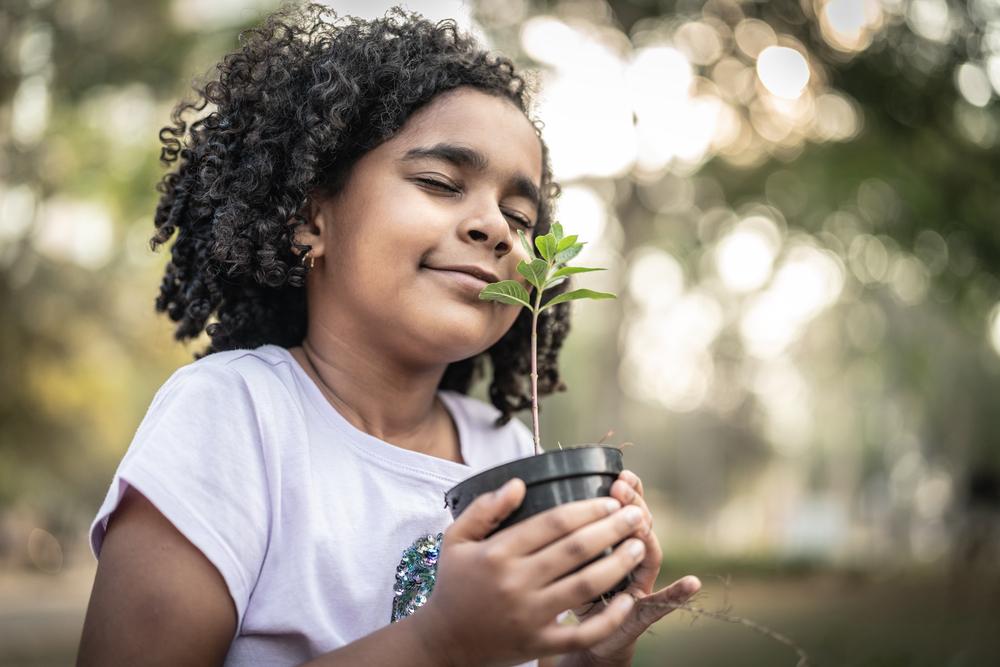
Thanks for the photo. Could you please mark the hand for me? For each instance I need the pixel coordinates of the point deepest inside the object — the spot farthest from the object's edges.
(618, 648)
(496, 599)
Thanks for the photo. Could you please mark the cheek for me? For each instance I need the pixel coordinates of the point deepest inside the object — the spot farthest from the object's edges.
(506, 321)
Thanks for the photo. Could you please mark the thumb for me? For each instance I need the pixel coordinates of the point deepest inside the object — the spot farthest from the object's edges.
(486, 512)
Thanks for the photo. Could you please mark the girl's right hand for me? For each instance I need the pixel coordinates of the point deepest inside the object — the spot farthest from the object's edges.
(496, 599)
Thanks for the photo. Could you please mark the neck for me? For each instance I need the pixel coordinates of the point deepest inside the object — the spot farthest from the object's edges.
(389, 400)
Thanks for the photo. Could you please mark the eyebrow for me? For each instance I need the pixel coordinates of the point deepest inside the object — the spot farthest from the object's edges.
(463, 156)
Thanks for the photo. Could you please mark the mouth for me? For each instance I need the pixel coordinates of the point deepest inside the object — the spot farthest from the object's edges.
(463, 279)
(474, 271)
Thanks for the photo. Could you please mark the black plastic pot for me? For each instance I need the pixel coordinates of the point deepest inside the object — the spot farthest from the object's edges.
(552, 478)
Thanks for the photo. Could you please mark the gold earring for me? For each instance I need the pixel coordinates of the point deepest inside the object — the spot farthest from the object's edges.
(312, 259)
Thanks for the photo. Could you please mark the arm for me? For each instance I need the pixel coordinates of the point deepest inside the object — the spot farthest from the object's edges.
(157, 600)
(153, 587)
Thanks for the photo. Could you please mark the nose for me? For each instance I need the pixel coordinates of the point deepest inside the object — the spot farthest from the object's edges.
(490, 228)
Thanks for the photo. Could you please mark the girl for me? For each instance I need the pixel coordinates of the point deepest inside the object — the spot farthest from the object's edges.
(352, 189)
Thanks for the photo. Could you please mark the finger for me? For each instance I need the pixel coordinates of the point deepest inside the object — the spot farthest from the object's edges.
(595, 579)
(569, 638)
(486, 512)
(644, 576)
(652, 608)
(624, 493)
(582, 545)
(632, 480)
(546, 527)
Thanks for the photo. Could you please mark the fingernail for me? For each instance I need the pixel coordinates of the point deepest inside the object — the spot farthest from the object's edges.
(636, 548)
(633, 515)
(611, 505)
(503, 489)
(626, 601)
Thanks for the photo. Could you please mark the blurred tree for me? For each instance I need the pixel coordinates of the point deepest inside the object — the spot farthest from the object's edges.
(84, 87)
(907, 201)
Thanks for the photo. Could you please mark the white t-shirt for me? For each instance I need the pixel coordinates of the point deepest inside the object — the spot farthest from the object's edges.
(306, 517)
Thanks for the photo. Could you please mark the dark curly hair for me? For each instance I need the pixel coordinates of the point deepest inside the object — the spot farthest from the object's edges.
(293, 110)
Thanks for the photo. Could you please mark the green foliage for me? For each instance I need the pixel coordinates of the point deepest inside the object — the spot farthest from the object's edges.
(546, 269)
(506, 291)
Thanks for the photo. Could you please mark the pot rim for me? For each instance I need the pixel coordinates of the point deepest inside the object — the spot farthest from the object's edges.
(555, 464)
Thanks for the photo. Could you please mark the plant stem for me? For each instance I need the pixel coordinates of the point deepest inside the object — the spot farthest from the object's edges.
(534, 371)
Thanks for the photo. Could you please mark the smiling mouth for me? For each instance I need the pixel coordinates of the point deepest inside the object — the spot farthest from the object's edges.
(460, 280)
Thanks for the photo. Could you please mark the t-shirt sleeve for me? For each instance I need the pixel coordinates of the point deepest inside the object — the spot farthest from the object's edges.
(198, 457)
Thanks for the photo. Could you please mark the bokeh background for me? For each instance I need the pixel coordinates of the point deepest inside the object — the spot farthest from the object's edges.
(797, 201)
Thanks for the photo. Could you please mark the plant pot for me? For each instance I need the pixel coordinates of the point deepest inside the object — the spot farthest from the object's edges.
(552, 478)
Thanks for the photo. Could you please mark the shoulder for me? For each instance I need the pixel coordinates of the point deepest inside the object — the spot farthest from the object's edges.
(231, 373)
(262, 359)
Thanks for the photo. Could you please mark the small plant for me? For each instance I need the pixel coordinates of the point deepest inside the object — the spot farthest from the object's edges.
(547, 268)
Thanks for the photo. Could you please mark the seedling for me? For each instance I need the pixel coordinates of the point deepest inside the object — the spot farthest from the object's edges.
(546, 269)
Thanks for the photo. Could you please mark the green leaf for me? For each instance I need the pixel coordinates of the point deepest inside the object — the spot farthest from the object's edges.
(554, 281)
(570, 270)
(557, 231)
(534, 272)
(510, 292)
(566, 242)
(569, 253)
(546, 246)
(578, 294)
(526, 244)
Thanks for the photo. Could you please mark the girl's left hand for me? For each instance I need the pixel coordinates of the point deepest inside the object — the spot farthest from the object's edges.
(618, 649)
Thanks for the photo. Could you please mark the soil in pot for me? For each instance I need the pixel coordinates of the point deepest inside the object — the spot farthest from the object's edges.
(552, 478)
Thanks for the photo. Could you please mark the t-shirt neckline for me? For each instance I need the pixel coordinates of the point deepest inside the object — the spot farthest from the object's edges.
(388, 453)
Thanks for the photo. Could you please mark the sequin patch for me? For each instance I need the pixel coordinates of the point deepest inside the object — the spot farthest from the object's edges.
(415, 576)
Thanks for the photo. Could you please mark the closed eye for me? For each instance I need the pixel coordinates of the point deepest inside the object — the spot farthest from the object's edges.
(438, 184)
(520, 219)
(442, 186)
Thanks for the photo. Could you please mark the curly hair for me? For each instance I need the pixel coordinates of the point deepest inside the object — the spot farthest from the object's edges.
(306, 95)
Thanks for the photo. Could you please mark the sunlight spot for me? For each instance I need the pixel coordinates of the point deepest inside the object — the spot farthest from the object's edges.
(994, 328)
(699, 41)
(930, 19)
(744, 257)
(753, 36)
(17, 210)
(76, 231)
(666, 359)
(973, 83)
(808, 280)
(848, 25)
(783, 71)
(571, 111)
(836, 118)
(655, 278)
(993, 71)
(583, 213)
(30, 110)
(45, 551)
(909, 279)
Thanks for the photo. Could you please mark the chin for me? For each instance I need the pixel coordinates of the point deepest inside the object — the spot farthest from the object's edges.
(457, 342)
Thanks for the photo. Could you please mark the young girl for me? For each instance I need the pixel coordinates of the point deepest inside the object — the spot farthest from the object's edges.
(337, 212)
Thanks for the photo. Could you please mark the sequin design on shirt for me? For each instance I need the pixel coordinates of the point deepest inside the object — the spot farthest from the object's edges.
(415, 576)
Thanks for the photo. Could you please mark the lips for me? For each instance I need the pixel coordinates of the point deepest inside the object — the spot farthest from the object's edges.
(474, 271)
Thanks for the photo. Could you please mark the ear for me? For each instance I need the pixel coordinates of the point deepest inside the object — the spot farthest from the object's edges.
(314, 230)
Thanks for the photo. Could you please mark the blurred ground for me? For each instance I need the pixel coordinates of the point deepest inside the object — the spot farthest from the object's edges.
(843, 619)
(839, 619)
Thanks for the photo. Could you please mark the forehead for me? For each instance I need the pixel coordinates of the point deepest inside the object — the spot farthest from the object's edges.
(491, 125)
